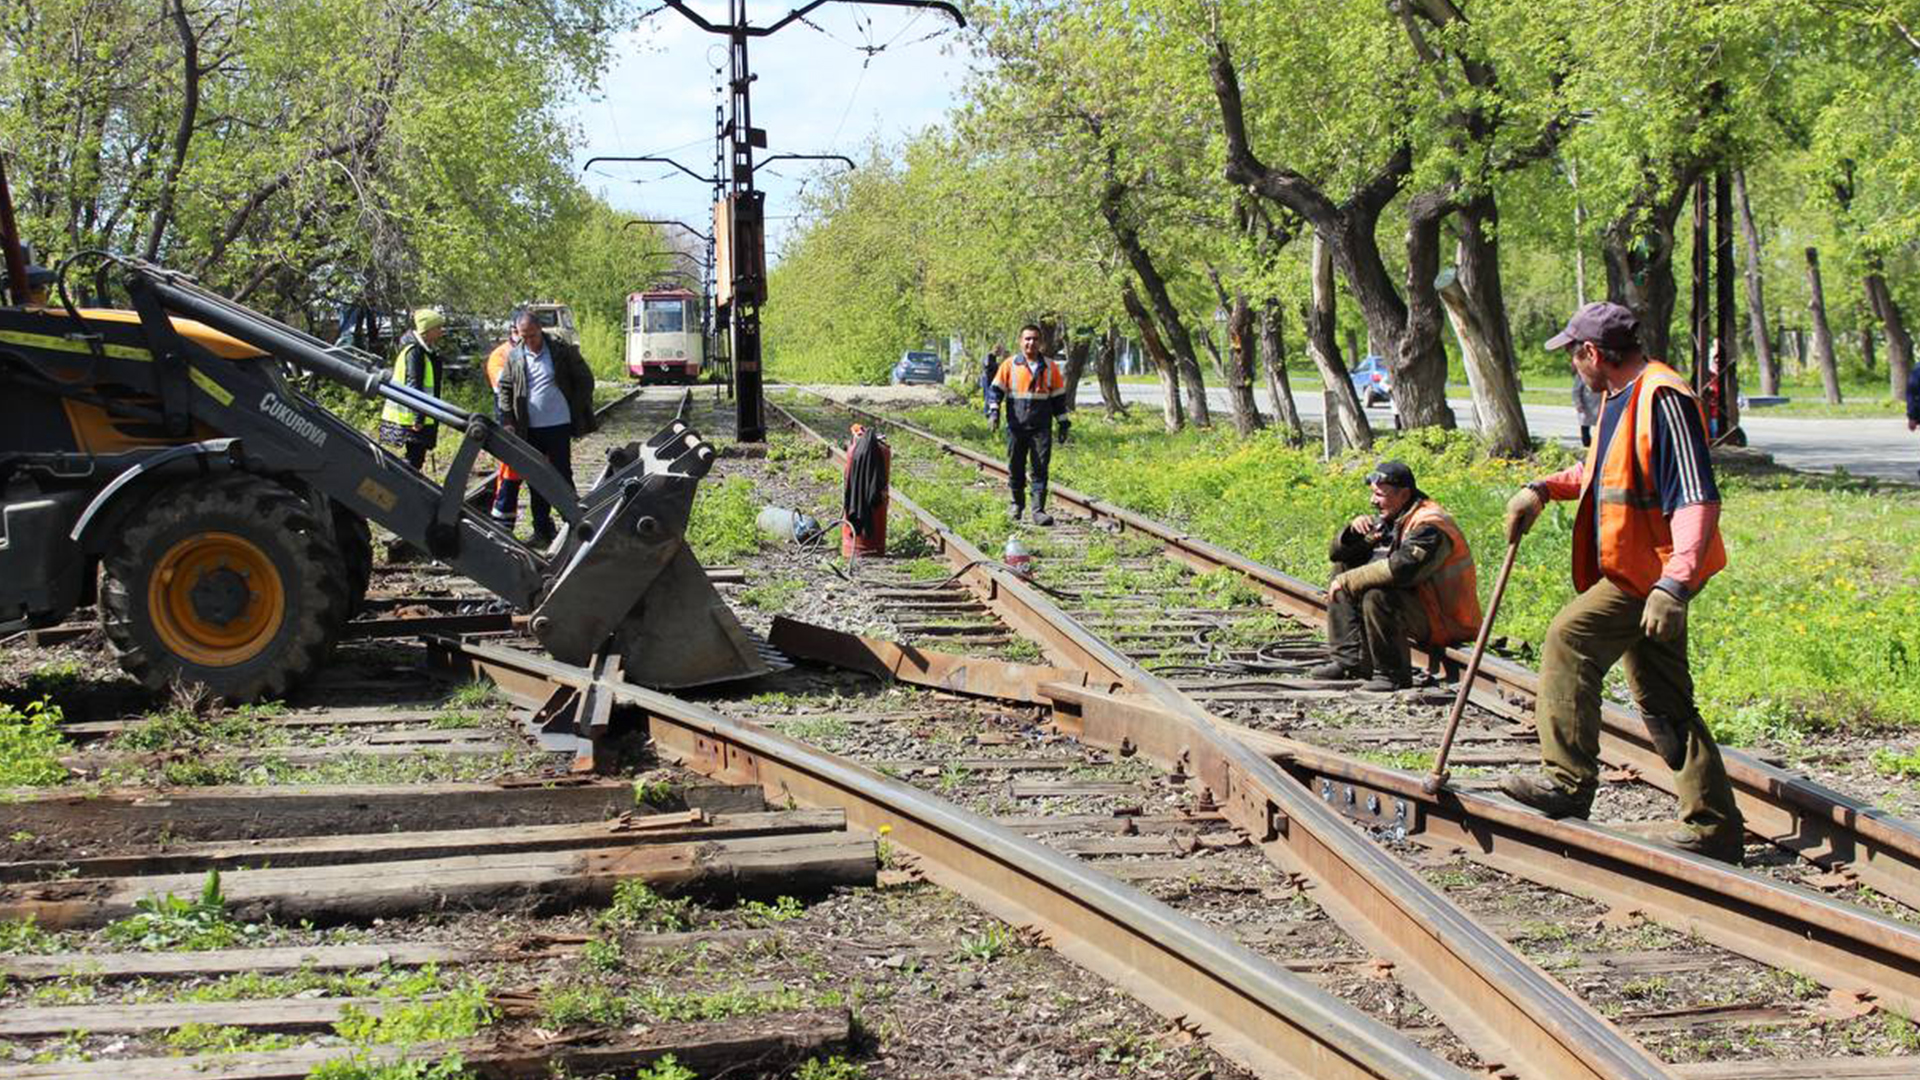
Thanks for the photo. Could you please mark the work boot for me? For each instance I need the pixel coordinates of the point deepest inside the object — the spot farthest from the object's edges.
(1014, 510)
(1727, 846)
(1388, 681)
(1041, 517)
(1536, 790)
(1335, 671)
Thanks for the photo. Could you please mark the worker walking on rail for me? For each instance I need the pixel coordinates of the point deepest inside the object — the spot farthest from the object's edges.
(1035, 396)
(1402, 575)
(1646, 538)
(416, 366)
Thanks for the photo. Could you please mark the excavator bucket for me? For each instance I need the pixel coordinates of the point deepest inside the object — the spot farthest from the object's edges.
(626, 584)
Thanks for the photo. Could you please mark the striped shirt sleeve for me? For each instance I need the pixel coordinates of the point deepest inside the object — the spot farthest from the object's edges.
(1682, 470)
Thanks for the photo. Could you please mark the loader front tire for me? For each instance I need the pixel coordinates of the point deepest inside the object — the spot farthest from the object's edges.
(231, 583)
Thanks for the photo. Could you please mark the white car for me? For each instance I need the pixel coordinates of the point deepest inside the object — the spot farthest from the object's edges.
(555, 319)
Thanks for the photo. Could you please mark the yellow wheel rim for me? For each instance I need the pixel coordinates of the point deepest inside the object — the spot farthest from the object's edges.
(216, 599)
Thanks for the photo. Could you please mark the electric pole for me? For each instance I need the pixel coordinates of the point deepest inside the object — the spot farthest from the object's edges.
(739, 209)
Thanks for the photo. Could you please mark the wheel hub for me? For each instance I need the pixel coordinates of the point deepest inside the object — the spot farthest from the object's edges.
(221, 595)
(216, 599)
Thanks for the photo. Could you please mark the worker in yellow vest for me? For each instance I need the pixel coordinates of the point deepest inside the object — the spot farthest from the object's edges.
(1646, 538)
(1402, 575)
(415, 365)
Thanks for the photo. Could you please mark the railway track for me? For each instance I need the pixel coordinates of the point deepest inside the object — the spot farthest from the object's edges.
(1240, 951)
(1748, 914)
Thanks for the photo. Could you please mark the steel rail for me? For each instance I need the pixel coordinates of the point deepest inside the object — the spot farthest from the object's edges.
(1826, 827)
(1250, 1009)
(1840, 945)
(1508, 1009)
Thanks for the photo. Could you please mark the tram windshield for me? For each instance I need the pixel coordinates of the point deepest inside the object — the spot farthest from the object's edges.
(666, 316)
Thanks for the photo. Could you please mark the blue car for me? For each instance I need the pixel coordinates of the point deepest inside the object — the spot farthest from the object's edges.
(1371, 382)
(919, 367)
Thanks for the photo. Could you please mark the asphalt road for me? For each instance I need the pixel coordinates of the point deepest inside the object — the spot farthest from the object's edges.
(1863, 447)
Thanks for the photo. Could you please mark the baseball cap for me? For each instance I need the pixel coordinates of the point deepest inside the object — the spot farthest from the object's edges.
(1603, 322)
(1392, 473)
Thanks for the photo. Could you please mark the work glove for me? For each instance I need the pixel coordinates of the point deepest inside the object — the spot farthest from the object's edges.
(1065, 426)
(1361, 578)
(1522, 511)
(1664, 619)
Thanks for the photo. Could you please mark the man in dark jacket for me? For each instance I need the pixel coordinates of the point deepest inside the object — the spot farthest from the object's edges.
(1913, 398)
(1403, 575)
(1035, 395)
(545, 396)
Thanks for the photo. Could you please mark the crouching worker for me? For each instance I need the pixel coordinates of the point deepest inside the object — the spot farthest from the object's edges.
(1405, 575)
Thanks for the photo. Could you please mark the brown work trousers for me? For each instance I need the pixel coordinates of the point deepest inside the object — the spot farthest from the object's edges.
(1373, 632)
(1598, 628)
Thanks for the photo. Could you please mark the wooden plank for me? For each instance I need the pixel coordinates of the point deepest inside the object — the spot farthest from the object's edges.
(773, 1041)
(344, 718)
(331, 957)
(99, 761)
(1050, 824)
(1041, 789)
(541, 880)
(144, 815)
(684, 826)
(278, 1014)
(922, 767)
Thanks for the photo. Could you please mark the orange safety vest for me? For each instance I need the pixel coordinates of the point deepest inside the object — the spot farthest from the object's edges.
(1032, 395)
(1635, 538)
(497, 363)
(1450, 595)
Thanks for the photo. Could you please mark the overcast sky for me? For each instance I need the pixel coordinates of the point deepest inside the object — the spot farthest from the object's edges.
(817, 93)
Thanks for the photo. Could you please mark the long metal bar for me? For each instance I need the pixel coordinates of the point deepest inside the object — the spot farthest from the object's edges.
(1821, 825)
(1504, 1006)
(1838, 944)
(1251, 1010)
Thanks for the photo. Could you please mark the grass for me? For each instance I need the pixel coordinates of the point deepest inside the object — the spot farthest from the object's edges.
(722, 529)
(170, 923)
(773, 595)
(1811, 628)
(31, 746)
(636, 906)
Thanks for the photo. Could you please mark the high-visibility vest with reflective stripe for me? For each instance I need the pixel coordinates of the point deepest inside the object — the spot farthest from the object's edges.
(1450, 595)
(1635, 538)
(1031, 394)
(396, 413)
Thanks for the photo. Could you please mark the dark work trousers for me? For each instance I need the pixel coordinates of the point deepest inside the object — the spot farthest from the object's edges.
(1024, 446)
(416, 452)
(1370, 633)
(556, 444)
(1597, 629)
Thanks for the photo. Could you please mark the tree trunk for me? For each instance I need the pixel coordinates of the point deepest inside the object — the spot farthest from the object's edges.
(1273, 354)
(1237, 370)
(1496, 394)
(1579, 235)
(1899, 341)
(1420, 367)
(1078, 349)
(1179, 343)
(1479, 251)
(183, 135)
(1346, 416)
(1103, 366)
(1162, 361)
(1639, 254)
(1240, 346)
(1756, 292)
(1822, 335)
(1408, 329)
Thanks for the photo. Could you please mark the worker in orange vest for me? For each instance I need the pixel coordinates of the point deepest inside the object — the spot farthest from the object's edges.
(504, 478)
(1404, 575)
(1034, 393)
(1646, 538)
